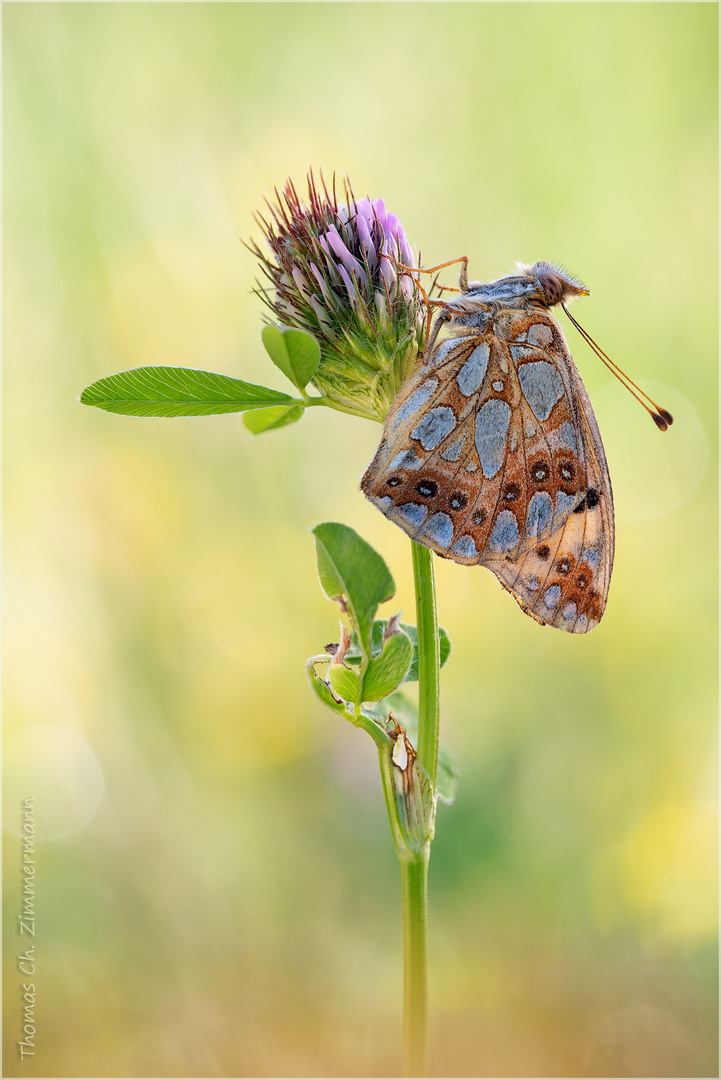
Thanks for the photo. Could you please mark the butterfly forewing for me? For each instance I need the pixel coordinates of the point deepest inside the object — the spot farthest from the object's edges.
(491, 454)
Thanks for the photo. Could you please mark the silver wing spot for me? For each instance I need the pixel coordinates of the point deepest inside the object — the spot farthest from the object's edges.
(440, 529)
(540, 512)
(466, 547)
(552, 596)
(505, 532)
(474, 370)
(434, 427)
(413, 513)
(417, 399)
(491, 427)
(542, 387)
(540, 334)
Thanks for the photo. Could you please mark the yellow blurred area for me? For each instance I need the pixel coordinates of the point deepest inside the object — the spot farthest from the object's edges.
(669, 874)
(216, 889)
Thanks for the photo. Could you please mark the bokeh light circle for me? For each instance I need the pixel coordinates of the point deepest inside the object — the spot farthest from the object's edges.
(652, 472)
(57, 769)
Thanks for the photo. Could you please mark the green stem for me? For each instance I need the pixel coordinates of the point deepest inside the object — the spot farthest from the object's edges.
(414, 867)
(414, 887)
(429, 659)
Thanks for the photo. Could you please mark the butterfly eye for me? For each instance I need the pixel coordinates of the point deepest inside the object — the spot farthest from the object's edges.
(427, 488)
(458, 500)
(553, 287)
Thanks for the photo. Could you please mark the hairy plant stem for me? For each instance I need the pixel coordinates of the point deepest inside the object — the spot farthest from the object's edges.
(429, 659)
(414, 891)
(414, 868)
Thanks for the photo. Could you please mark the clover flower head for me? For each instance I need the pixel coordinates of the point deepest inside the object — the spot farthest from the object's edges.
(334, 272)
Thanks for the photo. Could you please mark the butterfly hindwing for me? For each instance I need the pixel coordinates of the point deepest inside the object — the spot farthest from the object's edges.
(488, 456)
(563, 580)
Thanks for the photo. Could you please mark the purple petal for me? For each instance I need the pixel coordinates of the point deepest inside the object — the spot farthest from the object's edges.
(301, 282)
(329, 259)
(319, 278)
(380, 213)
(407, 286)
(368, 248)
(349, 261)
(364, 234)
(394, 227)
(320, 312)
(388, 271)
(350, 287)
(407, 252)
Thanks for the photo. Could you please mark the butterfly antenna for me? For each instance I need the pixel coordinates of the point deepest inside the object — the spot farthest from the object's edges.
(661, 417)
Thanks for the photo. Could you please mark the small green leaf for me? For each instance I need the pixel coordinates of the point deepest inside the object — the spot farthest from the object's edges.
(344, 681)
(354, 655)
(351, 568)
(404, 710)
(388, 670)
(444, 648)
(446, 776)
(296, 353)
(259, 420)
(174, 391)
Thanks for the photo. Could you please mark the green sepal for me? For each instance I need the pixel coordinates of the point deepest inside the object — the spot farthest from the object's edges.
(388, 670)
(354, 654)
(294, 352)
(416, 804)
(351, 569)
(260, 420)
(321, 689)
(344, 681)
(175, 391)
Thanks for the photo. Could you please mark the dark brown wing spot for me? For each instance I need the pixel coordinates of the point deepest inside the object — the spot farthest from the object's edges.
(511, 492)
(427, 489)
(458, 500)
(540, 472)
(394, 481)
(584, 577)
(567, 470)
(479, 517)
(543, 551)
(564, 565)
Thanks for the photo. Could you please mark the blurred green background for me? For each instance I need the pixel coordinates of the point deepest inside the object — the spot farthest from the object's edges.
(217, 891)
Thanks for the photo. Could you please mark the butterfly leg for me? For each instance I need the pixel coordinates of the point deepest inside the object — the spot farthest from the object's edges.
(463, 277)
(443, 317)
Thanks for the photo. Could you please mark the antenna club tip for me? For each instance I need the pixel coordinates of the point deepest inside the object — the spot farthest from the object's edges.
(660, 421)
(666, 415)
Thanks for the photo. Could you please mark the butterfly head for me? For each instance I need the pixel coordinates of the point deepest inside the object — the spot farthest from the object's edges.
(552, 284)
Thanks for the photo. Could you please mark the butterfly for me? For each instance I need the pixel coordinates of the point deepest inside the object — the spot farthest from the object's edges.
(491, 453)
